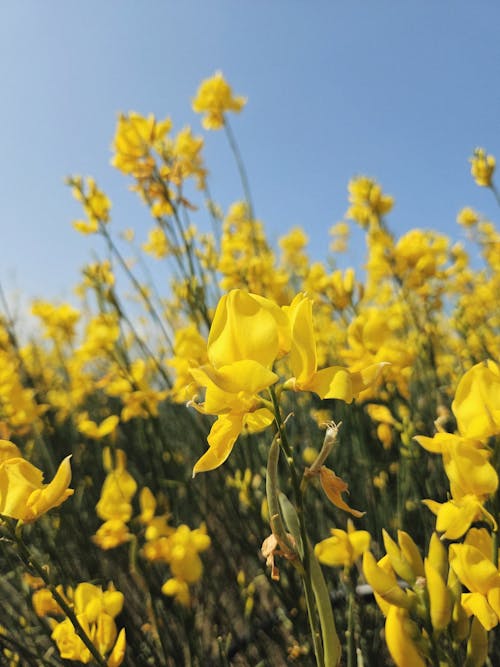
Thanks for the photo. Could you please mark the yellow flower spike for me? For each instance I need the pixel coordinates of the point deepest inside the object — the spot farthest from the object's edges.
(214, 98)
(334, 486)
(399, 636)
(477, 401)
(477, 646)
(482, 167)
(117, 655)
(439, 597)
(384, 583)
(398, 561)
(411, 552)
(438, 556)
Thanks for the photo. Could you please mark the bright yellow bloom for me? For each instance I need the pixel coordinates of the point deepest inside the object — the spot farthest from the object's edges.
(455, 516)
(95, 610)
(384, 582)
(368, 203)
(23, 496)
(482, 167)
(482, 579)
(477, 401)
(214, 98)
(400, 633)
(111, 534)
(343, 548)
(239, 370)
(466, 463)
(117, 492)
(439, 597)
(91, 430)
(136, 136)
(332, 382)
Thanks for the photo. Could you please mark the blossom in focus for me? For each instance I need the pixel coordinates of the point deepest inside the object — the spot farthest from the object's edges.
(477, 401)
(214, 98)
(480, 576)
(239, 370)
(332, 382)
(23, 495)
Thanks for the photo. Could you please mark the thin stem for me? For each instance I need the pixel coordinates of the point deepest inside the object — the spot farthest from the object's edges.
(241, 166)
(306, 576)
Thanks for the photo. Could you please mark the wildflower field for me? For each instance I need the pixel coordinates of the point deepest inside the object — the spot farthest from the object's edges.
(272, 461)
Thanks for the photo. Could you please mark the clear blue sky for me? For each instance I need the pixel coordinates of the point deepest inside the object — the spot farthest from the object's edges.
(402, 91)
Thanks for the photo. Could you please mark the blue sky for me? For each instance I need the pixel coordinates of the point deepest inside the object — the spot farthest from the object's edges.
(401, 91)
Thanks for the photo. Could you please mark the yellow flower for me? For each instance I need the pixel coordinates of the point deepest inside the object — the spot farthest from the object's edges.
(214, 98)
(400, 633)
(239, 370)
(91, 430)
(440, 600)
(23, 496)
(482, 167)
(157, 244)
(466, 464)
(384, 583)
(482, 579)
(111, 534)
(467, 217)
(117, 492)
(477, 401)
(455, 516)
(343, 548)
(332, 382)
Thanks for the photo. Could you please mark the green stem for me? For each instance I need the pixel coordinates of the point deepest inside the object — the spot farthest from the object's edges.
(301, 537)
(331, 643)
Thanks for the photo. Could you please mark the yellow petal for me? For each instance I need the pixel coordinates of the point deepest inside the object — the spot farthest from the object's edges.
(118, 653)
(384, 583)
(399, 633)
(439, 597)
(477, 401)
(221, 439)
(477, 605)
(473, 569)
(243, 329)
